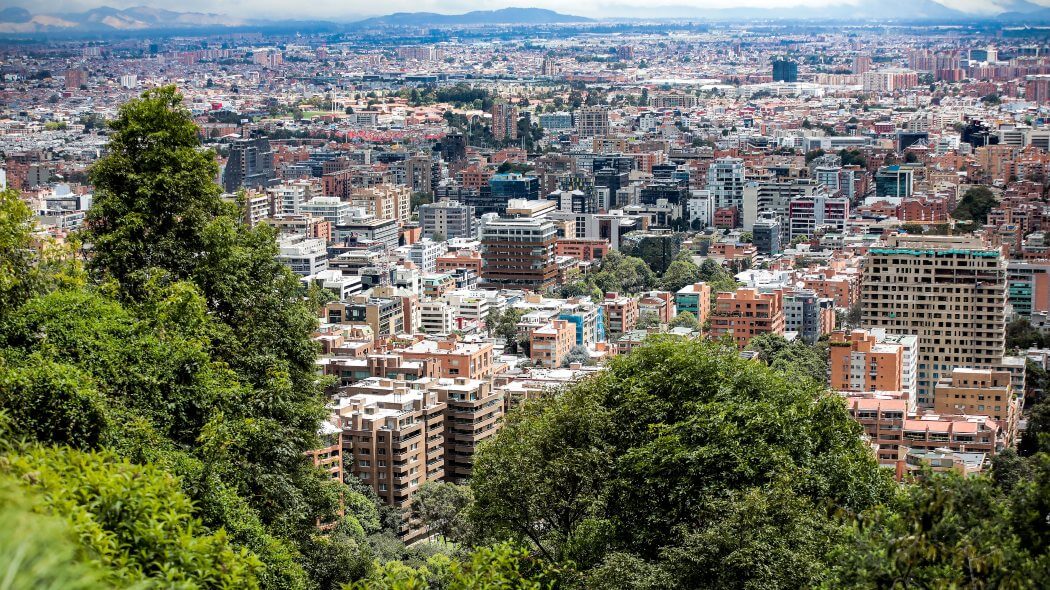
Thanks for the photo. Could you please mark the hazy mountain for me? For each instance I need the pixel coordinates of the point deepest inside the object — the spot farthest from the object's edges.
(106, 18)
(15, 14)
(517, 16)
(903, 10)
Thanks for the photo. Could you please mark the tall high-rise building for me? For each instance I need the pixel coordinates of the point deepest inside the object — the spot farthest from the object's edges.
(504, 121)
(894, 181)
(250, 165)
(289, 196)
(518, 254)
(949, 291)
(785, 71)
(593, 121)
(808, 213)
(725, 180)
(861, 64)
(454, 147)
(75, 78)
(448, 218)
(504, 187)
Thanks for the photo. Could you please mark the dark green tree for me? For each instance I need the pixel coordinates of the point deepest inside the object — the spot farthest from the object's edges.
(442, 507)
(667, 450)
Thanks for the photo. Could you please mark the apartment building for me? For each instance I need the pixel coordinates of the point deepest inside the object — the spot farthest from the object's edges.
(328, 456)
(289, 196)
(473, 413)
(587, 319)
(424, 254)
(437, 317)
(659, 304)
(473, 360)
(621, 311)
(331, 209)
(807, 214)
(518, 254)
(983, 392)
(394, 441)
(549, 344)
(871, 361)
(745, 313)
(696, 299)
(460, 259)
(808, 315)
(450, 219)
(592, 121)
(351, 369)
(894, 433)
(949, 291)
(305, 256)
(384, 315)
(385, 201)
(725, 181)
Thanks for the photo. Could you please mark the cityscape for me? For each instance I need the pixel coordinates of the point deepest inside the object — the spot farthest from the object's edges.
(529, 297)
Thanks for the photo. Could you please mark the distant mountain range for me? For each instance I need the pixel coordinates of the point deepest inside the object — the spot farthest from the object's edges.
(16, 20)
(143, 18)
(518, 16)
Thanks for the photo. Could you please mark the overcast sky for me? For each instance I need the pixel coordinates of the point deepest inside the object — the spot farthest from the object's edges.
(350, 9)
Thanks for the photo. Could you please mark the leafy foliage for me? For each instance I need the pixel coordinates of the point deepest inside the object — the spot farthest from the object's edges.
(949, 532)
(680, 273)
(500, 566)
(623, 274)
(132, 519)
(797, 358)
(649, 456)
(38, 551)
(442, 508)
(975, 205)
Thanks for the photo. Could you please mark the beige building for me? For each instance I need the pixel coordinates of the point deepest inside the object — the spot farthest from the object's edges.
(983, 392)
(385, 201)
(949, 291)
(592, 121)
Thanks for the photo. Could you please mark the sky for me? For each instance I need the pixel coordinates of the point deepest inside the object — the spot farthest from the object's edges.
(345, 10)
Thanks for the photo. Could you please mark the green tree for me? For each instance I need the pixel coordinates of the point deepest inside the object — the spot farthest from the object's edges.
(623, 274)
(946, 532)
(441, 507)
(155, 193)
(685, 319)
(680, 273)
(794, 357)
(648, 319)
(500, 566)
(975, 205)
(39, 550)
(650, 457)
(132, 519)
(578, 354)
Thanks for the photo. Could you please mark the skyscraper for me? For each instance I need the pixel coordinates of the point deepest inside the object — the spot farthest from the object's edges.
(504, 121)
(250, 165)
(725, 180)
(950, 291)
(785, 71)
